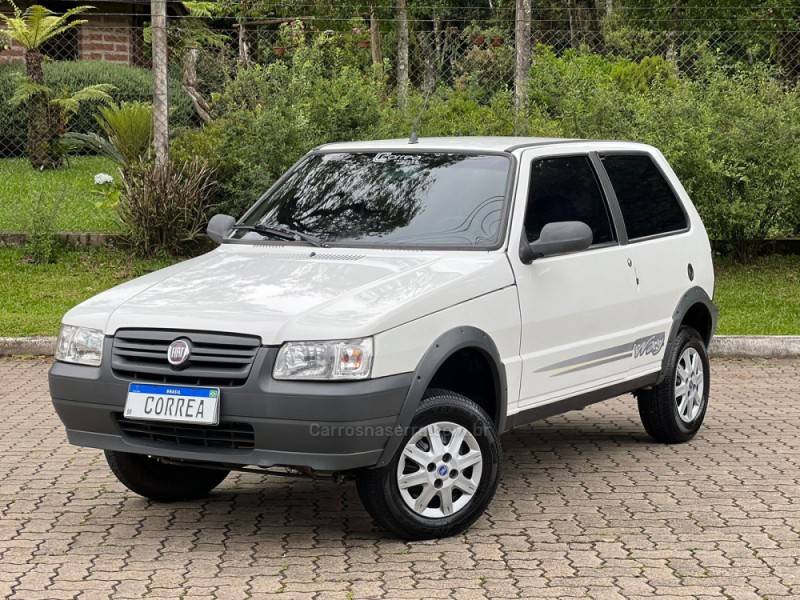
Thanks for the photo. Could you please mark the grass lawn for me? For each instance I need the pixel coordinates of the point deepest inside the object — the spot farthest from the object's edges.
(33, 298)
(72, 186)
(759, 298)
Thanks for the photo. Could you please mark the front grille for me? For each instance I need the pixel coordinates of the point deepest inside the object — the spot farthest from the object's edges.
(217, 359)
(233, 436)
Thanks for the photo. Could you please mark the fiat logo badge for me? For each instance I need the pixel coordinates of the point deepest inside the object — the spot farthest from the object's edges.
(178, 352)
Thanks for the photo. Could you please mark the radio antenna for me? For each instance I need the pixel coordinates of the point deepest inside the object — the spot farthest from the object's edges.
(413, 138)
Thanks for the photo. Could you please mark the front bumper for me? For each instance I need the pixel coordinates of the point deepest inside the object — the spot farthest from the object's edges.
(327, 426)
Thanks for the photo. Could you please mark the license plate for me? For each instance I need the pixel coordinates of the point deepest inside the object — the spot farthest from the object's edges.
(173, 403)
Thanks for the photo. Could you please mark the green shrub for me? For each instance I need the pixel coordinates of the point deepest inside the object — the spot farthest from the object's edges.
(131, 84)
(13, 128)
(449, 112)
(268, 117)
(249, 150)
(730, 133)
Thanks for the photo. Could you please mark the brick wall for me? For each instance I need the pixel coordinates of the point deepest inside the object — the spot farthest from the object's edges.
(104, 37)
(13, 53)
(108, 38)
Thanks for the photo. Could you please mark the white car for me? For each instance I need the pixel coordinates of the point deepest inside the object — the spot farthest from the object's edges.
(387, 310)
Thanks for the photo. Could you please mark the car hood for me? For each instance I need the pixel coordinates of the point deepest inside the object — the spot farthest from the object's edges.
(285, 293)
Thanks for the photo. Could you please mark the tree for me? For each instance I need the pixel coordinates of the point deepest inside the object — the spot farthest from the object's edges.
(402, 53)
(375, 36)
(31, 29)
(522, 35)
(158, 14)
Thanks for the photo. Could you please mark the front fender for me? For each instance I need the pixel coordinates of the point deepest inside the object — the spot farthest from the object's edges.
(443, 348)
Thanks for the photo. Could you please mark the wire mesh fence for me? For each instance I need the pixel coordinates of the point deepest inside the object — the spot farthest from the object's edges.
(203, 59)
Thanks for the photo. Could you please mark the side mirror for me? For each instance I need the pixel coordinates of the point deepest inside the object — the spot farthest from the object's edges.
(557, 238)
(219, 227)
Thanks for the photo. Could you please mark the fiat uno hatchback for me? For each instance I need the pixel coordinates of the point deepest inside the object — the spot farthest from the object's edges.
(387, 310)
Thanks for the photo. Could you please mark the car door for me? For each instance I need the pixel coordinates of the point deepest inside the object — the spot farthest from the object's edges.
(660, 245)
(576, 327)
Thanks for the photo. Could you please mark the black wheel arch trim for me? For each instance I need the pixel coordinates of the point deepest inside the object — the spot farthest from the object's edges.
(692, 296)
(439, 351)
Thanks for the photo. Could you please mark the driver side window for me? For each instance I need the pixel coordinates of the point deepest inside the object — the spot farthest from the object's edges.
(565, 188)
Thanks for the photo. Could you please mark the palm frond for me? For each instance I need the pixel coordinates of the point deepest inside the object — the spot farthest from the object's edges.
(100, 93)
(93, 142)
(27, 89)
(30, 29)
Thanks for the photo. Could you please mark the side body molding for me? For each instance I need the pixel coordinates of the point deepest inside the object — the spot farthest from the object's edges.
(694, 295)
(443, 348)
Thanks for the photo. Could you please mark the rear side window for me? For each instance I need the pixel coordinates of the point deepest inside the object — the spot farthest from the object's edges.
(566, 189)
(648, 204)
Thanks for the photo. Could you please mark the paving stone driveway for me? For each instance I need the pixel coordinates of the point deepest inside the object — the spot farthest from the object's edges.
(588, 506)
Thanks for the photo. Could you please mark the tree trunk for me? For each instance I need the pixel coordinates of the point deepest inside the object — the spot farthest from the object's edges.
(571, 13)
(402, 53)
(190, 85)
(39, 138)
(158, 13)
(375, 37)
(522, 40)
(428, 50)
(244, 52)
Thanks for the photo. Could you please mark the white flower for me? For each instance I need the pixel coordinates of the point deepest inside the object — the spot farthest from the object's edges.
(103, 178)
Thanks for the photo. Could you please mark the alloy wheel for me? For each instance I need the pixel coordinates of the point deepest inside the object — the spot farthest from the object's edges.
(439, 470)
(689, 385)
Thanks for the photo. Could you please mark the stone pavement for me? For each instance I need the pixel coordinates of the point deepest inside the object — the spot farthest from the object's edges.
(588, 507)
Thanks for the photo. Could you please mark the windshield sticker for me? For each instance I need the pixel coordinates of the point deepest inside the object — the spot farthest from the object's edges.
(400, 159)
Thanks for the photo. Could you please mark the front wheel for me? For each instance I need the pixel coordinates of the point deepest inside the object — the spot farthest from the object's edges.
(444, 474)
(673, 411)
(163, 482)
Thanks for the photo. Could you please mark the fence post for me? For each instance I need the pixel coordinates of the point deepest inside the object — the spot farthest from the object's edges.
(522, 42)
(158, 14)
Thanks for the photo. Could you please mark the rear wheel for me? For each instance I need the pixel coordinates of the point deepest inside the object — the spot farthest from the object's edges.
(673, 410)
(444, 474)
(163, 482)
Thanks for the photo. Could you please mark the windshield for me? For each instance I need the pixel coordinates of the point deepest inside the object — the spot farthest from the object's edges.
(391, 199)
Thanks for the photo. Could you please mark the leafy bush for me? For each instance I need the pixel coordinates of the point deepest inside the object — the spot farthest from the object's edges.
(131, 84)
(164, 208)
(268, 117)
(249, 149)
(449, 112)
(13, 126)
(728, 133)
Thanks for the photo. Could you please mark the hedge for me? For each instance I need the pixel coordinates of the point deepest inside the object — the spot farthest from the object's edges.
(131, 83)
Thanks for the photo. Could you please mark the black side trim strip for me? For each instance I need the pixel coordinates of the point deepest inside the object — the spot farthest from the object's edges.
(579, 402)
(611, 198)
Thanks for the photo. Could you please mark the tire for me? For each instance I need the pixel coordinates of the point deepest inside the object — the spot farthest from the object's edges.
(469, 490)
(160, 481)
(668, 417)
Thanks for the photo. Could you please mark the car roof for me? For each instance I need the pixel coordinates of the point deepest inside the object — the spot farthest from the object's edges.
(469, 144)
(462, 143)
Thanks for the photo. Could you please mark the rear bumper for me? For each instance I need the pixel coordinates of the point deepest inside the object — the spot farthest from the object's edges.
(325, 426)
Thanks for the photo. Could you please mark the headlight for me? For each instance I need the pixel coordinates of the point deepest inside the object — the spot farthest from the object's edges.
(80, 345)
(338, 359)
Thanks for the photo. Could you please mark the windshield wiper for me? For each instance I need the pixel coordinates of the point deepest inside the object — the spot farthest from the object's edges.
(284, 233)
